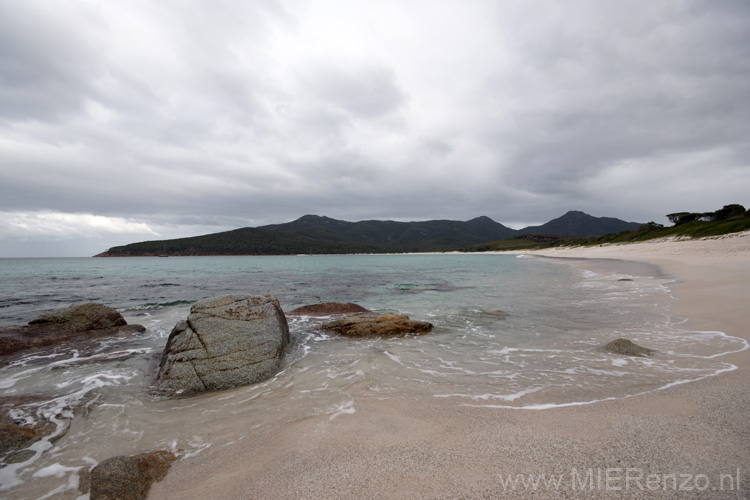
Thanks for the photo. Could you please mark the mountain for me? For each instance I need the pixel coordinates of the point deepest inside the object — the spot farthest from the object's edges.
(577, 223)
(314, 234)
(323, 235)
(417, 236)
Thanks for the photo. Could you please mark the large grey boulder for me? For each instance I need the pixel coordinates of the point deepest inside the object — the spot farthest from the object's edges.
(227, 341)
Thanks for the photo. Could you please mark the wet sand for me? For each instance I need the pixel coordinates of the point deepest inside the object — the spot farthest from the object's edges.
(683, 442)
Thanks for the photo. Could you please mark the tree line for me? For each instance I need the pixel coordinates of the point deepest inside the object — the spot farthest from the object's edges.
(733, 211)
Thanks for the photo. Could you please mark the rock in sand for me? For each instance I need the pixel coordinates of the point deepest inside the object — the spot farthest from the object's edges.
(128, 478)
(628, 348)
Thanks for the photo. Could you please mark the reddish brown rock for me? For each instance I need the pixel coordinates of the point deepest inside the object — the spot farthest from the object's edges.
(75, 323)
(82, 317)
(389, 325)
(128, 478)
(329, 309)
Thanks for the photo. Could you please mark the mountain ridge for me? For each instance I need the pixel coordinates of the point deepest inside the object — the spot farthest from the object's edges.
(577, 223)
(315, 234)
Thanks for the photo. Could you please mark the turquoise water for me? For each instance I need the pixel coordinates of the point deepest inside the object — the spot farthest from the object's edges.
(31, 286)
(512, 332)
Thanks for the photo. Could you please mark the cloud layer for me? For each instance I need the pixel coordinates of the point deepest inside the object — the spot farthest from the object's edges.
(174, 117)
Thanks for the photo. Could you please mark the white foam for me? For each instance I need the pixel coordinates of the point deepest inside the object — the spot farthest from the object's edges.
(346, 408)
(71, 485)
(393, 357)
(198, 444)
(546, 406)
(56, 470)
(486, 397)
(743, 343)
(10, 379)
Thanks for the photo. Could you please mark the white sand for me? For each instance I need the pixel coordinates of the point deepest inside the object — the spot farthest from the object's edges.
(667, 444)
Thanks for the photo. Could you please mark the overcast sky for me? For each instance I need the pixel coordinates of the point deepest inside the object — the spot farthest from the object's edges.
(128, 120)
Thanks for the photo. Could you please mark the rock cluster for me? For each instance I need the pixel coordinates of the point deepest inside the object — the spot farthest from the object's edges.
(227, 341)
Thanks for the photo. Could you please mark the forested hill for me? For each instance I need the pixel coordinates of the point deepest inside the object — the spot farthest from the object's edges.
(313, 234)
(322, 235)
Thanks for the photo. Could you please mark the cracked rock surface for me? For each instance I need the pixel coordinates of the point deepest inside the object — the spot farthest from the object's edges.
(227, 341)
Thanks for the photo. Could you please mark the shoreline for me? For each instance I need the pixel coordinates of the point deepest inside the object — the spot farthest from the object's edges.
(696, 433)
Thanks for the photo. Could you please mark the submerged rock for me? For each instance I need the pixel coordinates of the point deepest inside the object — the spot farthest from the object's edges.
(16, 434)
(72, 324)
(15, 437)
(227, 341)
(382, 325)
(128, 478)
(329, 309)
(628, 348)
(497, 314)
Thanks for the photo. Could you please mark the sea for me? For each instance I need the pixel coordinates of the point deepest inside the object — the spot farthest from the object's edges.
(510, 331)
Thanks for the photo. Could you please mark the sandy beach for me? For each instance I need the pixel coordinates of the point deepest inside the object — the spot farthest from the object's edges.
(687, 441)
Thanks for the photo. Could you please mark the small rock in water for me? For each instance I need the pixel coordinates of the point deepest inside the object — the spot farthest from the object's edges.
(383, 325)
(628, 348)
(227, 341)
(329, 309)
(128, 478)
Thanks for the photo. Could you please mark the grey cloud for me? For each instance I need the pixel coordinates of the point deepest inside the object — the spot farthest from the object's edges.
(215, 114)
(366, 90)
(629, 88)
(438, 147)
(46, 66)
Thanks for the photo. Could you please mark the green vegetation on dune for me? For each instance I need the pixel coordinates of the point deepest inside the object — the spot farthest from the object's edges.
(730, 219)
(694, 229)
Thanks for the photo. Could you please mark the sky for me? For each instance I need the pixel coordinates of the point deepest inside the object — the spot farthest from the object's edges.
(133, 120)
